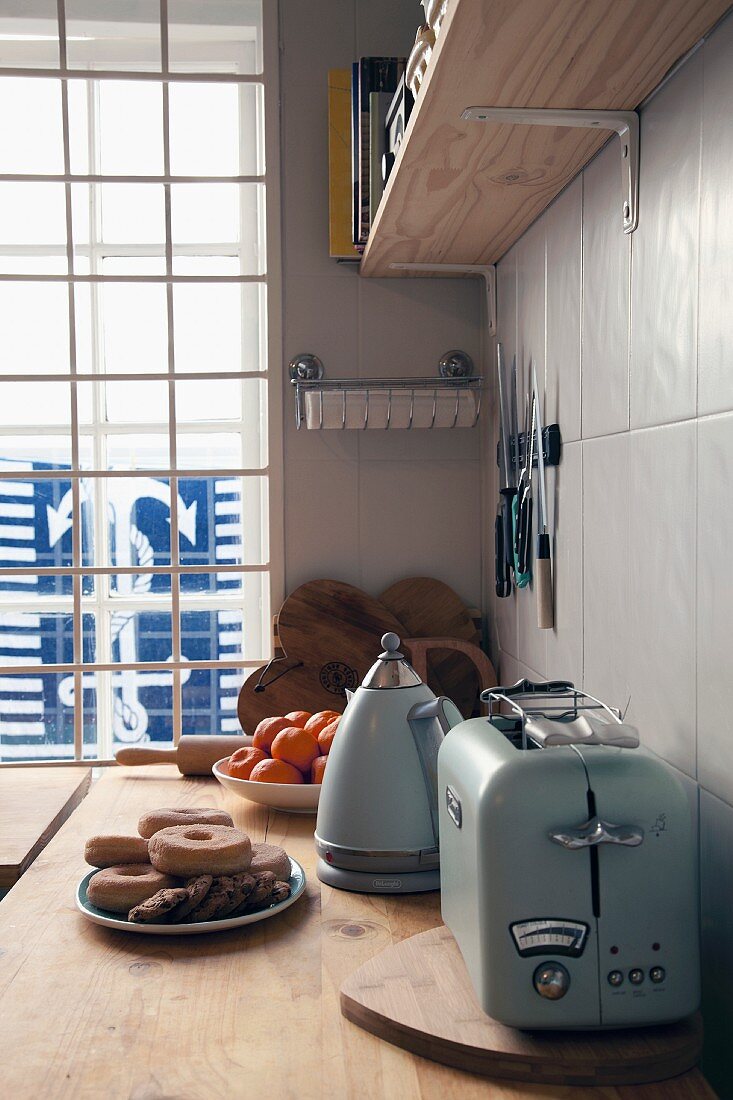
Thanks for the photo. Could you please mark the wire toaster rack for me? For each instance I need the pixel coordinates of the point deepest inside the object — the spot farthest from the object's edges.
(565, 704)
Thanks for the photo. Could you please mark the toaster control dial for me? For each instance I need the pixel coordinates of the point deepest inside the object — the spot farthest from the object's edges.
(551, 980)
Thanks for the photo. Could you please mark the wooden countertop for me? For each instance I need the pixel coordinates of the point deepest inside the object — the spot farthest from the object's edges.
(34, 803)
(89, 1012)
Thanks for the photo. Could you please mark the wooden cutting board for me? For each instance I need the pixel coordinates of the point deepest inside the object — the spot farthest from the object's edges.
(330, 633)
(418, 995)
(428, 608)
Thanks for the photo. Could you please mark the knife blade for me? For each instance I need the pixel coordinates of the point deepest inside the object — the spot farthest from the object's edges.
(543, 561)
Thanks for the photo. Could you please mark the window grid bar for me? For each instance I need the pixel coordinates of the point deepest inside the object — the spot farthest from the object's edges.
(142, 376)
(130, 666)
(172, 428)
(77, 640)
(66, 475)
(162, 76)
(61, 605)
(98, 177)
(25, 277)
(113, 570)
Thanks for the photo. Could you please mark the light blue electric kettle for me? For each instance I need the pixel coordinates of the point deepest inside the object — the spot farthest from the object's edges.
(377, 825)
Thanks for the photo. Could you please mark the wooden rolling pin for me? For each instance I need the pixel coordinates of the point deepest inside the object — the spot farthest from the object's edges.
(195, 754)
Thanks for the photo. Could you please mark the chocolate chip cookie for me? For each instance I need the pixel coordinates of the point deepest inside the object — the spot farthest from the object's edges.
(155, 909)
(196, 890)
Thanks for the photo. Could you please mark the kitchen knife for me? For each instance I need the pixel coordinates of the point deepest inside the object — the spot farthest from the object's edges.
(507, 484)
(543, 563)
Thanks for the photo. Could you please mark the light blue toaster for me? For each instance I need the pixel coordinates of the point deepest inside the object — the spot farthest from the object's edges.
(568, 867)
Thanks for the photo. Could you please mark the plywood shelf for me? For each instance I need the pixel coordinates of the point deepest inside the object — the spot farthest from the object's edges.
(464, 192)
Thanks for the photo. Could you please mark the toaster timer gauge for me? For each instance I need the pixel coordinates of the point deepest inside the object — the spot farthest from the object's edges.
(545, 935)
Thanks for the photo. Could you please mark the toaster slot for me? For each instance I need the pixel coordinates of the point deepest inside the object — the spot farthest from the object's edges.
(595, 870)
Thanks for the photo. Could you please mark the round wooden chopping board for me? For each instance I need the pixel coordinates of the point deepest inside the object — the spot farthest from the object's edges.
(418, 995)
(330, 633)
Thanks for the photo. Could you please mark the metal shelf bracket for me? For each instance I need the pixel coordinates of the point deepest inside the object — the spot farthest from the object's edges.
(486, 271)
(625, 123)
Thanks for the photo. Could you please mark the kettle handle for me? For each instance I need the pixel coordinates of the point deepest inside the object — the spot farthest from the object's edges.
(429, 723)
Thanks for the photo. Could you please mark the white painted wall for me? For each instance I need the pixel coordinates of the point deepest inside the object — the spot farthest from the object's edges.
(365, 507)
(634, 339)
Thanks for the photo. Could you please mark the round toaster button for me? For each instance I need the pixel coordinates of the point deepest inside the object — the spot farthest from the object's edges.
(615, 977)
(657, 974)
(551, 980)
(636, 977)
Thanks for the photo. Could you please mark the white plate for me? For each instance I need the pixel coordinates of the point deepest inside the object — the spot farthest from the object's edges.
(113, 920)
(296, 798)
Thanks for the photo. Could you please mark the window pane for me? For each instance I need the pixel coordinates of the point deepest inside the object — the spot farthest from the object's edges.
(115, 37)
(231, 524)
(229, 217)
(118, 213)
(247, 614)
(34, 403)
(129, 322)
(142, 705)
(130, 127)
(36, 530)
(218, 326)
(127, 121)
(138, 452)
(45, 638)
(30, 214)
(209, 451)
(138, 531)
(136, 636)
(210, 700)
(34, 327)
(30, 125)
(222, 400)
(29, 35)
(205, 121)
(135, 402)
(37, 715)
(221, 37)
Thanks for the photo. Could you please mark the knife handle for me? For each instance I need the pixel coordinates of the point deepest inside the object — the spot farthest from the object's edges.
(543, 582)
(503, 580)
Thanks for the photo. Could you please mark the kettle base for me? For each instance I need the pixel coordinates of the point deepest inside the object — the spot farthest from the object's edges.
(362, 882)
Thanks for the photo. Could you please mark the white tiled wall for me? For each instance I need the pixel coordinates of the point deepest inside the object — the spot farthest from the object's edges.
(634, 337)
(365, 507)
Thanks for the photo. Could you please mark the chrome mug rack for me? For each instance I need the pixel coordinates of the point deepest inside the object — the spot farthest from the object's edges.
(451, 400)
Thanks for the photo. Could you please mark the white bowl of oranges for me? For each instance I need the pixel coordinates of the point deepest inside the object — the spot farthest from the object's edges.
(284, 766)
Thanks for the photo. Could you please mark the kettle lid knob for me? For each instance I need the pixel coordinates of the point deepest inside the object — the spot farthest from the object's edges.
(391, 647)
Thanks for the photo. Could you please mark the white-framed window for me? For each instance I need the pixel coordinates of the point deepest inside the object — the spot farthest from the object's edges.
(140, 480)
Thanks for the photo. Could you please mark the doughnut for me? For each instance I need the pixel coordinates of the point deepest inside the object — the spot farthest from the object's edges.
(155, 820)
(188, 850)
(111, 851)
(268, 857)
(121, 888)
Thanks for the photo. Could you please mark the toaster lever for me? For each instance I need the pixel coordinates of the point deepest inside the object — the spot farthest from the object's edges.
(596, 832)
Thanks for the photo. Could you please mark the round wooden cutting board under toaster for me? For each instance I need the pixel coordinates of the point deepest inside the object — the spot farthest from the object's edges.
(418, 996)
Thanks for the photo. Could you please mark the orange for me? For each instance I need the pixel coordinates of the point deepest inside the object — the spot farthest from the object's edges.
(320, 720)
(242, 761)
(297, 747)
(298, 717)
(275, 771)
(325, 737)
(266, 732)
(318, 767)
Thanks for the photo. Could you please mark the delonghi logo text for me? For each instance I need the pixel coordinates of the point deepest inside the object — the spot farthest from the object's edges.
(387, 883)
